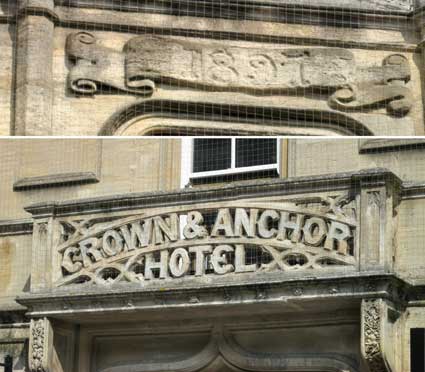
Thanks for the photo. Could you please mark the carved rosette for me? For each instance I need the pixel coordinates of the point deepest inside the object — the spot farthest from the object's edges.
(372, 335)
(38, 345)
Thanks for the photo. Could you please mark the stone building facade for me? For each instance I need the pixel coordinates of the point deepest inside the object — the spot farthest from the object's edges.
(127, 67)
(114, 259)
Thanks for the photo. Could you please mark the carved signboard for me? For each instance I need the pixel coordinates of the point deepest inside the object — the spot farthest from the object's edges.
(149, 60)
(197, 243)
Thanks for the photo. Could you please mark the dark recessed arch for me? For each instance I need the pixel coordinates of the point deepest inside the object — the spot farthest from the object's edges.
(251, 120)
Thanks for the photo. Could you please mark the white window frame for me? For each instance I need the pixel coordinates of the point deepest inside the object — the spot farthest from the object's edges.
(187, 173)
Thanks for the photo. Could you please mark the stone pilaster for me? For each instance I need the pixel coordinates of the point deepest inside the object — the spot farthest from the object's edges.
(378, 221)
(34, 59)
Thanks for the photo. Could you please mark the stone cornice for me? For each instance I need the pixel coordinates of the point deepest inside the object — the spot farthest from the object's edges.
(380, 14)
(233, 191)
(78, 301)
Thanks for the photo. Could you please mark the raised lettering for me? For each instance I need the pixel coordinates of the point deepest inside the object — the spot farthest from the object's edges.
(223, 223)
(287, 223)
(179, 262)
(139, 235)
(264, 223)
(112, 243)
(315, 230)
(200, 258)
(240, 261)
(219, 259)
(193, 228)
(90, 251)
(339, 234)
(246, 223)
(151, 264)
(167, 230)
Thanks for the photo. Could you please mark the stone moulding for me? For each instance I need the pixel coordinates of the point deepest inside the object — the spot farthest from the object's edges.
(236, 9)
(56, 180)
(78, 301)
(277, 119)
(223, 350)
(388, 145)
(374, 177)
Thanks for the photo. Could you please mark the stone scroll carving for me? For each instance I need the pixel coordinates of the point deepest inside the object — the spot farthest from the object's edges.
(242, 240)
(38, 346)
(223, 350)
(149, 60)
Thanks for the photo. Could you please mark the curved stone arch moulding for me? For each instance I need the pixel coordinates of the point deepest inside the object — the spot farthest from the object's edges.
(223, 350)
(229, 119)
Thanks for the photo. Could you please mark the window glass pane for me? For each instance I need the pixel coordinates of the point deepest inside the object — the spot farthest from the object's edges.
(417, 349)
(211, 154)
(251, 152)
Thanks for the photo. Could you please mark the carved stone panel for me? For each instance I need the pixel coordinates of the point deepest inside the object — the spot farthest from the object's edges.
(149, 60)
(240, 239)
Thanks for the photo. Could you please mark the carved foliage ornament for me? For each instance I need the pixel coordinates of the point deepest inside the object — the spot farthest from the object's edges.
(38, 342)
(181, 244)
(148, 60)
(372, 335)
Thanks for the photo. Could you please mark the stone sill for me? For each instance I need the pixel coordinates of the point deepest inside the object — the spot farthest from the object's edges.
(56, 180)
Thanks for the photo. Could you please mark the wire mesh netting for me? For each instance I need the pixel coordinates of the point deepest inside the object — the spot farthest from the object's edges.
(212, 67)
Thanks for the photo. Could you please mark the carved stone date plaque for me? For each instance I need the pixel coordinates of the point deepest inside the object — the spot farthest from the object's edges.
(150, 60)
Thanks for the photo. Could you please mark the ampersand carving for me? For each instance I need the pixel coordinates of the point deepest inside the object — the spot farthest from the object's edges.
(194, 228)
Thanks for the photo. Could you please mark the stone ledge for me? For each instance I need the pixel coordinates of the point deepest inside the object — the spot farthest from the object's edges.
(387, 145)
(56, 180)
(16, 227)
(206, 5)
(234, 190)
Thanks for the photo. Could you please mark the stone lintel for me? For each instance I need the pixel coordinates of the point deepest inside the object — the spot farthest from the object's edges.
(260, 188)
(55, 180)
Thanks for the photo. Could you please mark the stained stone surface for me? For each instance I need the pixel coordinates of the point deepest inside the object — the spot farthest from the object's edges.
(230, 64)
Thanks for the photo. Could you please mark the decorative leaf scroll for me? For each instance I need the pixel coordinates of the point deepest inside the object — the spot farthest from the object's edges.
(241, 239)
(149, 60)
